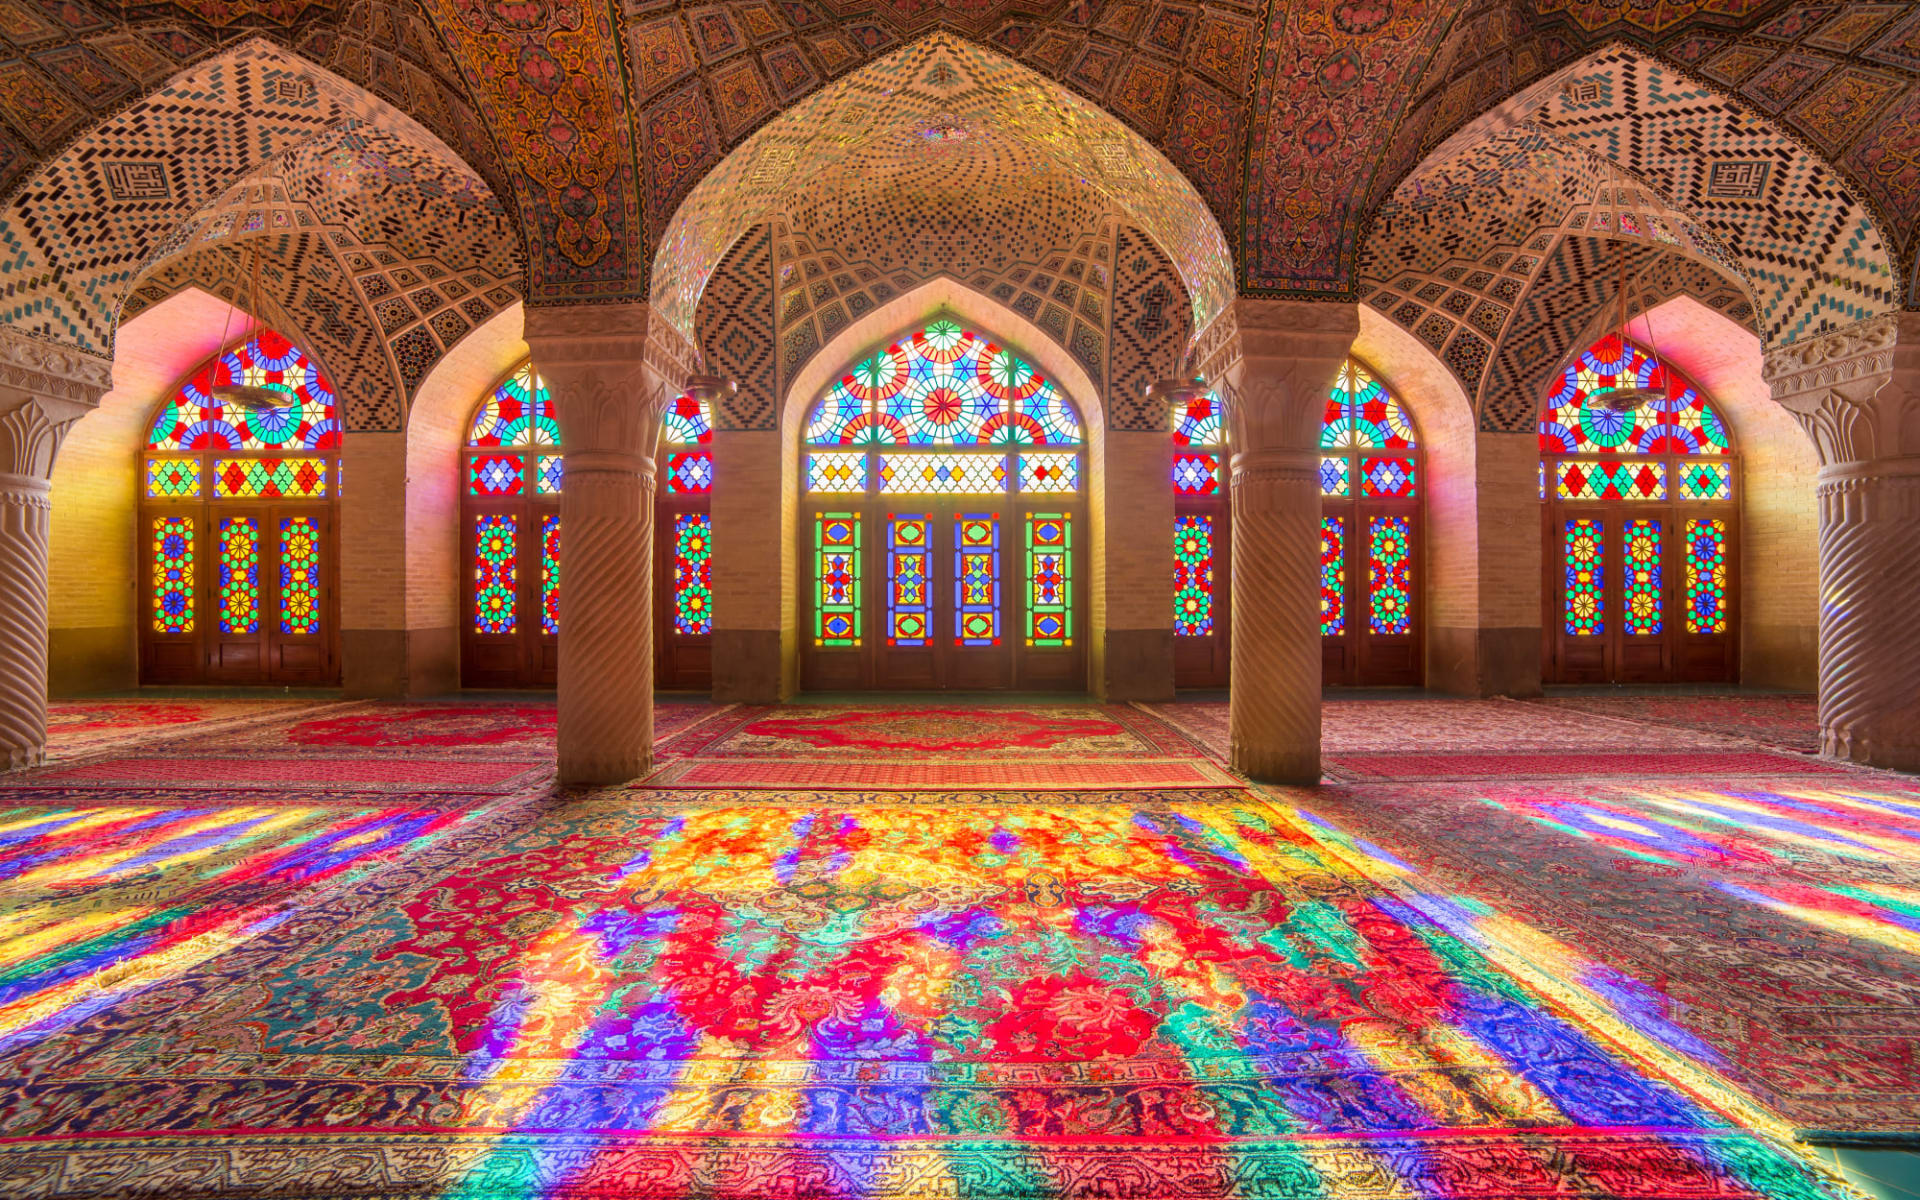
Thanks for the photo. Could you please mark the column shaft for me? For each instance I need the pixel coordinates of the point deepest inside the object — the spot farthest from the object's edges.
(1275, 718)
(1869, 640)
(24, 512)
(606, 618)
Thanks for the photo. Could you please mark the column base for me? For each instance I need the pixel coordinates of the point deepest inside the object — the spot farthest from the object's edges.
(1866, 752)
(603, 771)
(1264, 765)
(19, 758)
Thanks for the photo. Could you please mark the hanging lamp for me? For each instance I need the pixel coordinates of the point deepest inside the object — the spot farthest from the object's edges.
(254, 397)
(1631, 399)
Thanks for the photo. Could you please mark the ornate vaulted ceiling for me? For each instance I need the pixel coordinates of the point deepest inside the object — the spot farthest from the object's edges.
(589, 122)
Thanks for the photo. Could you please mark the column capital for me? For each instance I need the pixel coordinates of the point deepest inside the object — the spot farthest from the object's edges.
(612, 368)
(1273, 361)
(1855, 390)
(44, 389)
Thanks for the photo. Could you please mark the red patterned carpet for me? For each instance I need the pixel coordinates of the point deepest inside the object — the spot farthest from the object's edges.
(1789, 721)
(370, 952)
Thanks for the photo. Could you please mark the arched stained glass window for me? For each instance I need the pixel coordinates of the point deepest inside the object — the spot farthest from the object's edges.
(1640, 524)
(943, 450)
(238, 521)
(514, 472)
(1370, 487)
(1200, 527)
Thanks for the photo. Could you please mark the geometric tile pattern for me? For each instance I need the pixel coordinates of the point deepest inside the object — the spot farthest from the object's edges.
(736, 332)
(1808, 247)
(943, 158)
(1150, 330)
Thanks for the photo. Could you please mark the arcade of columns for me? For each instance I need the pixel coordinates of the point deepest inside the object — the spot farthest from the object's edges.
(611, 369)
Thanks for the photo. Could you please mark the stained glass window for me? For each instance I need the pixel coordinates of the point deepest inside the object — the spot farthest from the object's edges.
(266, 478)
(1680, 422)
(976, 579)
(909, 579)
(195, 420)
(1389, 575)
(1196, 474)
(496, 573)
(1585, 599)
(1638, 480)
(943, 388)
(496, 475)
(1193, 575)
(689, 472)
(518, 412)
(1333, 575)
(1370, 475)
(836, 548)
(1705, 480)
(1640, 613)
(1706, 551)
(951, 474)
(549, 470)
(239, 575)
(299, 576)
(692, 573)
(688, 422)
(171, 553)
(1362, 415)
(1049, 579)
(173, 478)
(1049, 471)
(1200, 421)
(550, 573)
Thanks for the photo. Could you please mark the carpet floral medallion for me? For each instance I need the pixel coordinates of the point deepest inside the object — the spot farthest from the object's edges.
(1117, 995)
(1076, 731)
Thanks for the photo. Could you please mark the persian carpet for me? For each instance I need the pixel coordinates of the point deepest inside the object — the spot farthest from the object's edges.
(467, 729)
(1788, 721)
(1404, 724)
(1571, 764)
(1021, 775)
(241, 772)
(102, 901)
(669, 994)
(1766, 931)
(78, 726)
(936, 733)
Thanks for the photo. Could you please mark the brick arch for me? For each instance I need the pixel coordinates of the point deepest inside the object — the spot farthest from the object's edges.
(945, 151)
(93, 217)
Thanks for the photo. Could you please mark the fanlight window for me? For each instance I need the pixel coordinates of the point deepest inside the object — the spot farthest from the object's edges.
(1641, 527)
(945, 411)
(237, 523)
(1591, 452)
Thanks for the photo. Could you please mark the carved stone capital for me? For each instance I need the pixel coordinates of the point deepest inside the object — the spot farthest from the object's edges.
(1856, 390)
(1274, 371)
(611, 368)
(49, 372)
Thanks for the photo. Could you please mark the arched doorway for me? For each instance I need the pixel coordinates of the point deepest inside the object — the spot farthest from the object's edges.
(1202, 536)
(510, 527)
(1641, 527)
(239, 520)
(943, 522)
(1370, 535)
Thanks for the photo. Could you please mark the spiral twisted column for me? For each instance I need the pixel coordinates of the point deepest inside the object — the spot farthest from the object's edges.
(606, 617)
(1856, 393)
(1869, 639)
(1272, 363)
(1274, 723)
(24, 511)
(608, 369)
